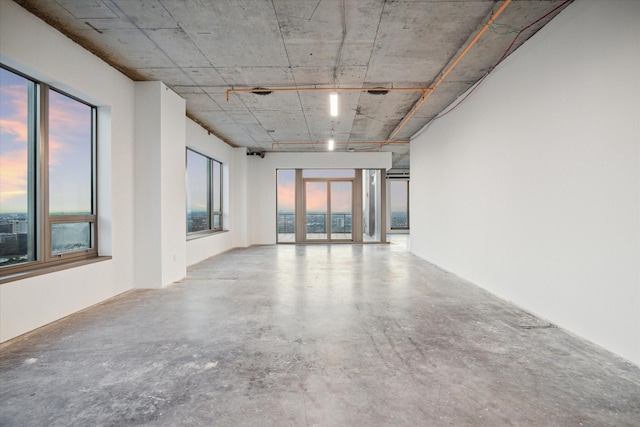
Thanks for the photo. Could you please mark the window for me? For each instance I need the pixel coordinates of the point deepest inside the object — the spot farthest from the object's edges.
(204, 193)
(286, 201)
(48, 212)
(330, 205)
(399, 189)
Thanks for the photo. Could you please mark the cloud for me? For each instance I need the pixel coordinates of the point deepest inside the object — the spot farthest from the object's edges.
(286, 197)
(69, 128)
(15, 128)
(316, 197)
(14, 117)
(14, 182)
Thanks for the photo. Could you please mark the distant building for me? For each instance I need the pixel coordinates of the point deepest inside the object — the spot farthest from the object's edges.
(9, 244)
(20, 226)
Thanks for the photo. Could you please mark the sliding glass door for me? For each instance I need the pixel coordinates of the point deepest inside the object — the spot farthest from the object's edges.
(317, 209)
(322, 205)
(341, 207)
(329, 206)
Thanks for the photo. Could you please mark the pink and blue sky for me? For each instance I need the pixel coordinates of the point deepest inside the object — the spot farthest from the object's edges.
(70, 149)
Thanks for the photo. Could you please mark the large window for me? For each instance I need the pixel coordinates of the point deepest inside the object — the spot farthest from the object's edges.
(399, 189)
(286, 199)
(204, 193)
(48, 212)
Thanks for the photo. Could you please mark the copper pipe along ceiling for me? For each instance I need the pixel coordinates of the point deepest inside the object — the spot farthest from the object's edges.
(426, 91)
(448, 70)
(380, 143)
(332, 89)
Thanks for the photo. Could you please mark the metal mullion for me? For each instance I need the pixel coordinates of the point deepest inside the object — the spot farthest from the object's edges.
(221, 178)
(34, 174)
(356, 215)
(45, 232)
(328, 210)
(383, 205)
(210, 192)
(62, 219)
(408, 201)
(328, 179)
(94, 177)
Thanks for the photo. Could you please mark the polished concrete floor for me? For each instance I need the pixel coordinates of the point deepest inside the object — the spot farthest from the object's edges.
(344, 335)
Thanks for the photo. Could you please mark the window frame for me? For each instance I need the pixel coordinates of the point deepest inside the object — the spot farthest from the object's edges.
(408, 191)
(38, 186)
(211, 194)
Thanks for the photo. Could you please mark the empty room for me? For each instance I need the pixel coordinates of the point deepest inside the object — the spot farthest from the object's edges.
(319, 212)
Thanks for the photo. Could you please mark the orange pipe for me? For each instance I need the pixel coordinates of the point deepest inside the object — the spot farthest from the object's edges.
(449, 69)
(381, 143)
(333, 89)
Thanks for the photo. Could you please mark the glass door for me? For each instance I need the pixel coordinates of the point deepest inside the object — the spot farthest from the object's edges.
(329, 207)
(317, 209)
(341, 207)
(325, 205)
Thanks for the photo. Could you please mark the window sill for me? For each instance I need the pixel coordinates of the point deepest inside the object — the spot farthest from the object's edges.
(50, 269)
(202, 234)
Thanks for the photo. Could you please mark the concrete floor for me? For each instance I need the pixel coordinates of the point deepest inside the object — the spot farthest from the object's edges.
(287, 335)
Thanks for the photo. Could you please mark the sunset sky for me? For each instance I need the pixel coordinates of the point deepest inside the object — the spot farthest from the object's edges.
(13, 143)
(286, 190)
(70, 148)
(69, 155)
(316, 197)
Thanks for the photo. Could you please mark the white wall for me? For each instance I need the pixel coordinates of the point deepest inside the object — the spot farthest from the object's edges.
(239, 199)
(148, 171)
(531, 189)
(261, 183)
(32, 47)
(159, 186)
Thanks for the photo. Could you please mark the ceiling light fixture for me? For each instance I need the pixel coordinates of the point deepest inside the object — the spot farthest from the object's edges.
(261, 91)
(378, 91)
(333, 104)
(331, 144)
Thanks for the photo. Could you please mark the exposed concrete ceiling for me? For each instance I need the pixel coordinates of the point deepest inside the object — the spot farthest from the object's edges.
(202, 48)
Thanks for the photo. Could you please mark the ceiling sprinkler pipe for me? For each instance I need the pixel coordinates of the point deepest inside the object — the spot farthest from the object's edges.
(449, 69)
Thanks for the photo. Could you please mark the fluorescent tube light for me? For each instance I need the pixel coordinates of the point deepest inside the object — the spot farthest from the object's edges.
(331, 144)
(333, 103)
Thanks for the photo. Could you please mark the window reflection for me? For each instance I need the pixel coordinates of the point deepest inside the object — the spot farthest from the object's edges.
(17, 141)
(70, 151)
